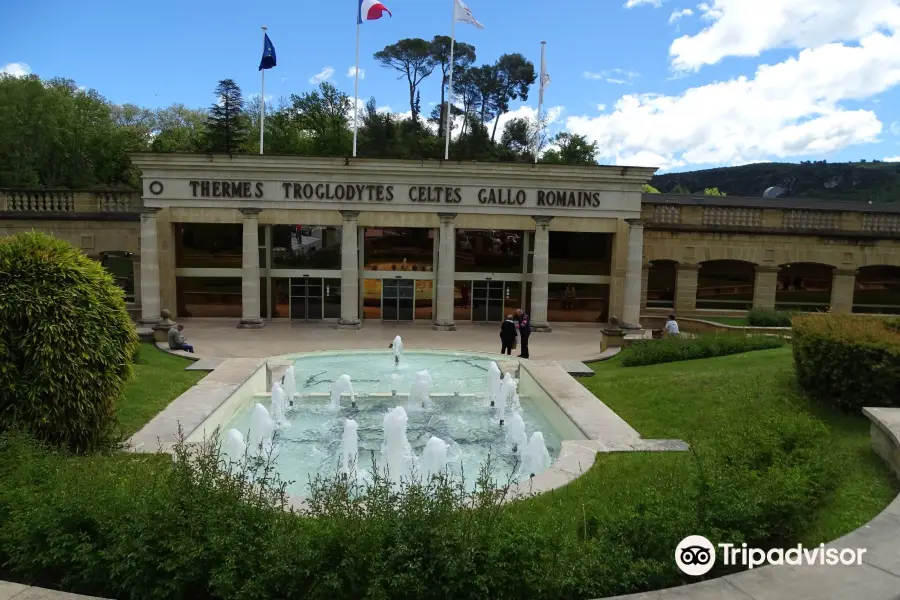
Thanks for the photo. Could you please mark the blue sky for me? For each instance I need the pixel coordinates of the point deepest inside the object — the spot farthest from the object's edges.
(650, 87)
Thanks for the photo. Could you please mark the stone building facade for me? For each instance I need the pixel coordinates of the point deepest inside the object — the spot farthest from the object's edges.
(255, 238)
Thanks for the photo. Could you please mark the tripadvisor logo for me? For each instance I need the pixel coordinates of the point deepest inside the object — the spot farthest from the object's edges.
(695, 555)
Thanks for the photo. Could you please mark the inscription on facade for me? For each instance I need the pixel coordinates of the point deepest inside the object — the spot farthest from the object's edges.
(361, 192)
(226, 189)
(351, 192)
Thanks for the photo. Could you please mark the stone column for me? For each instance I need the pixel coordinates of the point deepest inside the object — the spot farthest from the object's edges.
(446, 272)
(631, 315)
(349, 270)
(150, 301)
(764, 287)
(645, 280)
(540, 275)
(250, 318)
(686, 288)
(843, 283)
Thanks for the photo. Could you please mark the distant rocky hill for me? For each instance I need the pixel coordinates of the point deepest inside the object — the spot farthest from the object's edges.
(860, 181)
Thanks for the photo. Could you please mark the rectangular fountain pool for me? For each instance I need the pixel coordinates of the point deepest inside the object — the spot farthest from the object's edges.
(460, 415)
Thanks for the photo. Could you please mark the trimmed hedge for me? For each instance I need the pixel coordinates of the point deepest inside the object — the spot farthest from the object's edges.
(144, 526)
(759, 317)
(677, 348)
(849, 360)
(66, 342)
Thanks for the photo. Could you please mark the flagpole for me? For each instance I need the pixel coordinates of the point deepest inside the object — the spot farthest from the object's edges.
(262, 100)
(356, 87)
(540, 123)
(450, 82)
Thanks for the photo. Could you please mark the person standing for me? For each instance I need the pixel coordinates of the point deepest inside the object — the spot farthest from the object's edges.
(507, 335)
(524, 325)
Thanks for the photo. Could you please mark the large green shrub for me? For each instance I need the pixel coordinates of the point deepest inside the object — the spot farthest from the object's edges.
(143, 526)
(676, 348)
(66, 342)
(849, 360)
(760, 317)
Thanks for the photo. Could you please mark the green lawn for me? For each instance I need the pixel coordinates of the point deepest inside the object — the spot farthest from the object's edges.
(707, 402)
(158, 379)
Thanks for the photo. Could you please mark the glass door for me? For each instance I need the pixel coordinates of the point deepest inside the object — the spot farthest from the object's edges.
(306, 298)
(406, 302)
(398, 298)
(487, 301)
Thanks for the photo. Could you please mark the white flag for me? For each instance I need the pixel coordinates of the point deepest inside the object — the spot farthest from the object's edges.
(462, 14)
(545, 80)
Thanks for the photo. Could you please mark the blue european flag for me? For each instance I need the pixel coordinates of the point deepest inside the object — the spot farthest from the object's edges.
(268, 57)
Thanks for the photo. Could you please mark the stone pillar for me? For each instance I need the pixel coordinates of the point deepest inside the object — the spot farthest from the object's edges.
(540, 276)
(136, 277)
(250, 316)
(764, 287)
(631, 315)
(150, 300)
(349, 270)
(645, 280)
(446, 272)
(686, 288)
(843, 283)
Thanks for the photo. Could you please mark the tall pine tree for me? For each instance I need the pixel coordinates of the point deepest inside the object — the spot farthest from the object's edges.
(227, 126)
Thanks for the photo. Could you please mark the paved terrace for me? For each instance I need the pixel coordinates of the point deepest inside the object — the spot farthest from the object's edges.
(220, 338)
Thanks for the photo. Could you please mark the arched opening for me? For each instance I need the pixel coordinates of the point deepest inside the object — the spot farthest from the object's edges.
(725, 285)
(661, 284)
(804, 287)
(877, 290)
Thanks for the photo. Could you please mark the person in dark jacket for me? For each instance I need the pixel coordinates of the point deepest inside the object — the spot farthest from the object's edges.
(524, 325)
(507, 335)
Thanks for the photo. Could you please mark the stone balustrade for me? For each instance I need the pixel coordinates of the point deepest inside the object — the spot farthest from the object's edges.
(55, 202)
(794, 215)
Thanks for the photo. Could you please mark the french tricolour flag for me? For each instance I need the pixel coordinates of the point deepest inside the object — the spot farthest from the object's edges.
(372, 10)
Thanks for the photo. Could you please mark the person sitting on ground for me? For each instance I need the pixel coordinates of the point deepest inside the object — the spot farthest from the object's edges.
(177, 341)
(507, 335)
(672, 326)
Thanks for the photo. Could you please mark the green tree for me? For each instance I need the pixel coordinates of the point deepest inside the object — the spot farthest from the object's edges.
(227, 125)
(412, 58)
(713, 191)
(179, 129)
(680, 190)
(571, 149)
(514, 77)
(463, 57)
(66, 342)
(649, 189)
(323, 115)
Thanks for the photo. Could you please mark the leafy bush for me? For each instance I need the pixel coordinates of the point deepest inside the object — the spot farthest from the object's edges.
(143, 526)
(759, 317)
(676, 348)
(66, 342)
(849, 360)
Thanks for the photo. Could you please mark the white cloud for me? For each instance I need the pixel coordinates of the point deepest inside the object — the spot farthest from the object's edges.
(633, 3)
(601, 107)
(384, 110)
(322, 76)
(894, 128)
(617, 76)
(351, 72)
(750, 27)
(255, 95)
(16, 69)
(788, 109)
(891, 159)
(678, 14)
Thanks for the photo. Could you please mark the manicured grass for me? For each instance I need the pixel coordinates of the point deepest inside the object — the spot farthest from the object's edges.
(158, 379)
(707, 403)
